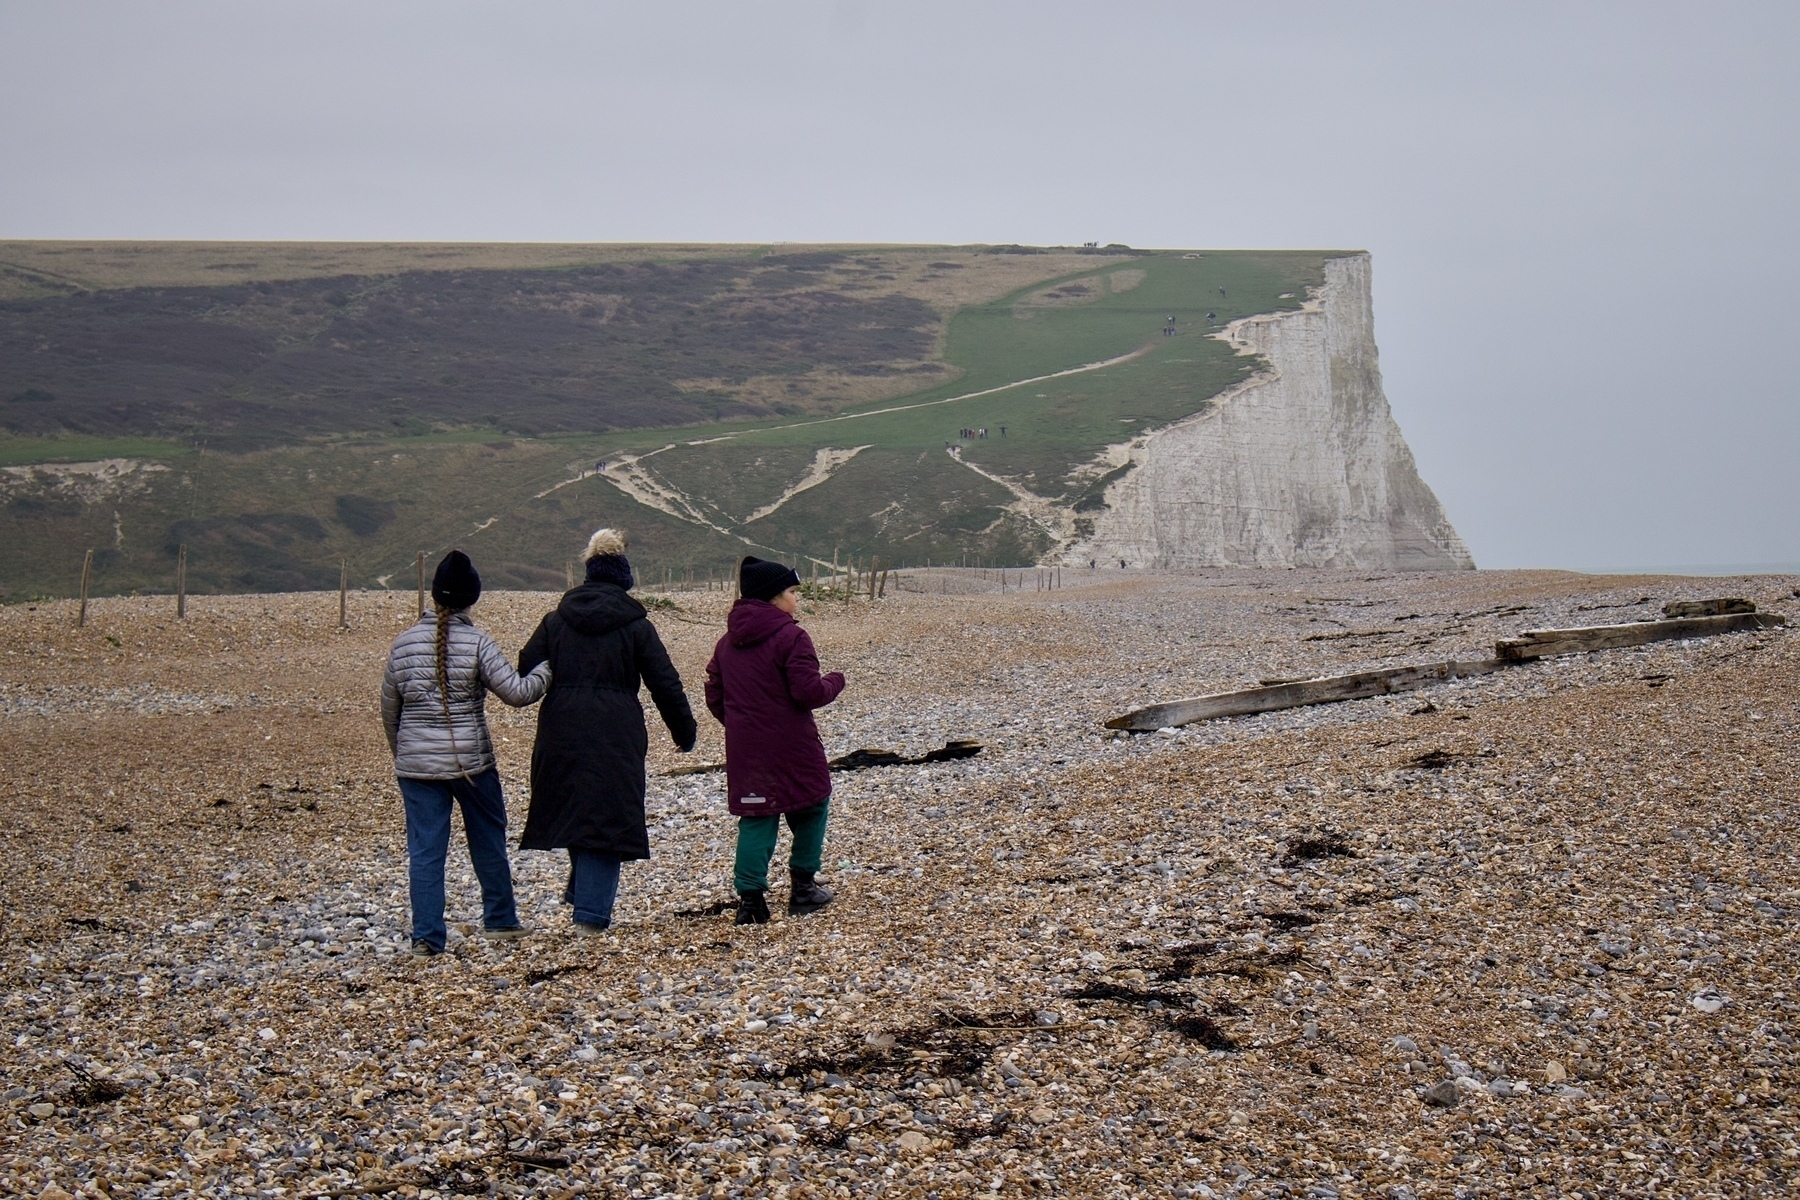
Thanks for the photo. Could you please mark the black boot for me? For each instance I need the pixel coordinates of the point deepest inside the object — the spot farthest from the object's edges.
(753, 909)
(807, 895)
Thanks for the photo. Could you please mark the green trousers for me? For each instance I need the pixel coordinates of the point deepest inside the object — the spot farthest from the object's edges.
(756, 845)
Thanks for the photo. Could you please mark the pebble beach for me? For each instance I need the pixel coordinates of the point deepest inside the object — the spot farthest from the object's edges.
(1533, 932)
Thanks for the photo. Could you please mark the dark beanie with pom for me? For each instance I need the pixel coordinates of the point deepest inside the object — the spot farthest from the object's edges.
(759, 580)
(456, 585)
(606, 561)
(610, 568)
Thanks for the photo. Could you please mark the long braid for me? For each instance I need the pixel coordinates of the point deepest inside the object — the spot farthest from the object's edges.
(443, 681)
(443, 658)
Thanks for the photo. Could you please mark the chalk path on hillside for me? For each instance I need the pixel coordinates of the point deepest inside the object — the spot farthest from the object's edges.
(628, 475)
(825, 464)
(1045, 514)
(894, 408)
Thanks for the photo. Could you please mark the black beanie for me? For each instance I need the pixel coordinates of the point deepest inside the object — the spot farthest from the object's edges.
(759, 580)
(610, 568)
(456, 585)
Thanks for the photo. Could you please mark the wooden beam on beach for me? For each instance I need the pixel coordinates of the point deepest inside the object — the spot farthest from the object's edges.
(1532, 644)
(1327, 690)
(1708, 608)
(1542, 643)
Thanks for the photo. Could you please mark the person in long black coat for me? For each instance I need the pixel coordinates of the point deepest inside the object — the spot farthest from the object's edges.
(587, 768)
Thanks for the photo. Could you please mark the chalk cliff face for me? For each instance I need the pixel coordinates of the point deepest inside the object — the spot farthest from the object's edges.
(1301, 466)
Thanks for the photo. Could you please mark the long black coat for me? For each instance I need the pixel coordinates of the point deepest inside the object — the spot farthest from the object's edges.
(587, 768)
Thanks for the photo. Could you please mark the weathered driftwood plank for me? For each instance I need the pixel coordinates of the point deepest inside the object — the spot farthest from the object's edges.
(1542, 643)
(1708, 608)
(1295, 695)
(1533, 643)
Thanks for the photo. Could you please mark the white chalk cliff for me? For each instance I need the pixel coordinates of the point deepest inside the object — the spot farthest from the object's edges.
(1299, 466)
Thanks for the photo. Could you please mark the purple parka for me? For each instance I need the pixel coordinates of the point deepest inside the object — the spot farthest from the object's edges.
(762, 684)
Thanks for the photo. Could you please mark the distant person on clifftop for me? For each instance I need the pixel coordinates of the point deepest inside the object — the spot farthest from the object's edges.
(762, 684)
(433, 701)
(587, 766)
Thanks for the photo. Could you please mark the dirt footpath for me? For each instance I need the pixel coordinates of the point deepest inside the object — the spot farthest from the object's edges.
(1533, 932)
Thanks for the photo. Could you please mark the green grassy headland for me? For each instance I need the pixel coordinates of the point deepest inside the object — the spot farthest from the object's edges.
(282, 484)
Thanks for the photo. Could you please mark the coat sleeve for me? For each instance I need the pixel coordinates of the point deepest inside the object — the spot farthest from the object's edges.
(664, 682)
(390, 705)
(506, 683)
(537, 648)
(807, 688)
(715, 688)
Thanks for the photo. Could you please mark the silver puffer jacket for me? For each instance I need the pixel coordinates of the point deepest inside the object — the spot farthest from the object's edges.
(427, 743)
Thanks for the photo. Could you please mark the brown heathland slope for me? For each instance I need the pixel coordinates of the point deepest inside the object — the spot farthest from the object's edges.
(248, 345)
(1224, 959)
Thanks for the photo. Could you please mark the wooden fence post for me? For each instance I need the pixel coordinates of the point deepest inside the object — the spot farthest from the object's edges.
(181, 582)
(420, 565)
(87, 566)
(344, 594)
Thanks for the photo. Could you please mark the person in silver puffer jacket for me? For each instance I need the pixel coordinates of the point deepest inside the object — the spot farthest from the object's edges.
(425, 744)
(433, 706)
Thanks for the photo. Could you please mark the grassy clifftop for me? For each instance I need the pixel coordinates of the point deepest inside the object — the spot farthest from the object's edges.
(318, 403)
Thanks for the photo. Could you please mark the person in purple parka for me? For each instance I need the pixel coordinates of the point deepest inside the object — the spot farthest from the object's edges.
(762, 684)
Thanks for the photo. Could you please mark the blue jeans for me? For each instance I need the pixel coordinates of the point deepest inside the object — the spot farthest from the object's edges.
(593, 884)
(428, 805)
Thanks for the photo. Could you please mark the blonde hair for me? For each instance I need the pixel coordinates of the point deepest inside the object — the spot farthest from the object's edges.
(604, 541)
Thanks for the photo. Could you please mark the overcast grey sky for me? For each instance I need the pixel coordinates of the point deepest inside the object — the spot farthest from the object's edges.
(1583, 216)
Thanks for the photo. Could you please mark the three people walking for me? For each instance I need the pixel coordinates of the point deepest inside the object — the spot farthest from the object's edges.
(587, 660)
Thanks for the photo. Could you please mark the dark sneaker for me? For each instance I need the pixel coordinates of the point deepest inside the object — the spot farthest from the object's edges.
(506, 933)
(753, 909)
(425, 950)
